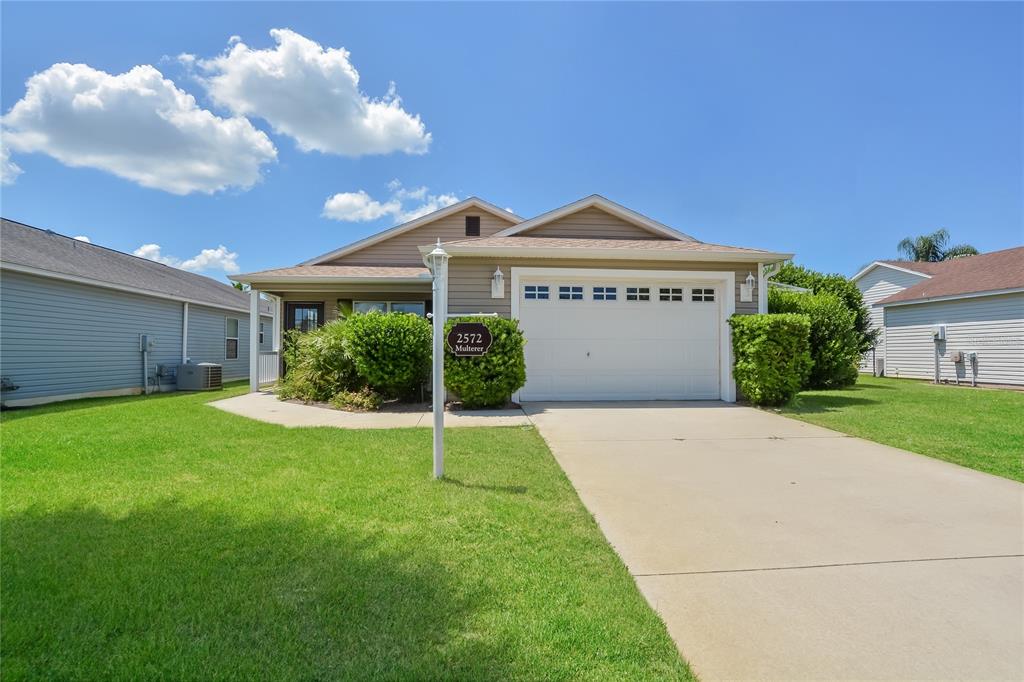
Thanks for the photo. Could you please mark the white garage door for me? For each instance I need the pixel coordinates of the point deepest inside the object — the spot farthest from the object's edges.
(620, 339)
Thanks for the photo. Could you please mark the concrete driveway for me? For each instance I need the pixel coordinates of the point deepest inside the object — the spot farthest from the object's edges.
(774, 549)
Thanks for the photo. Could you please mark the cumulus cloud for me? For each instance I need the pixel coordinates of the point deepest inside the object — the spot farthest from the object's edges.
(358, 207)
(137, 125)
(311, 94)
(82, 238)
(9, 171)
(218, 259)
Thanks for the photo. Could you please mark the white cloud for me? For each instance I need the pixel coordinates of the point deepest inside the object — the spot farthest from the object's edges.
(359, 207)
(137, 125)
(312, 95)
(82, 238)
(9, 171)
(218, 259)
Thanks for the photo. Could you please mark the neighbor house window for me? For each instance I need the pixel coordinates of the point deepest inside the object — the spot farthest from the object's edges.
(536, 292)
(638, 293)
(230, 338)
(261, 333)
(414, 307)
(570, 293)
(670, 294)
(703, 294)
(605, 293)
(472, 226)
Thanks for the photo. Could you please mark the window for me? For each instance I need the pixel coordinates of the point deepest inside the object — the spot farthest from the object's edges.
(536, 292)
(604, 293)
(303, 316)
(703, 294)
(570, 293)
(638, 293)
(472, 226)
(414, 307)
(670, 294)
(230, 338)
(261, 333)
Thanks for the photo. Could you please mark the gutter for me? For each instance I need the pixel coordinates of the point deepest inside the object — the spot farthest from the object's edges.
(607, 254)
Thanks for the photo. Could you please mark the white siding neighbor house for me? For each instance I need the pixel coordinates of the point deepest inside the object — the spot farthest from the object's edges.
(960, 320)
(72, 313)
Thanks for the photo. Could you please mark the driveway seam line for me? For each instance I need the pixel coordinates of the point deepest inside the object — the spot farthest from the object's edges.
(839, 565)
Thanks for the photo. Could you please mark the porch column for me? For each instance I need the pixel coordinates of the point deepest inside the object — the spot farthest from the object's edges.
(254, 340)
(278, 322)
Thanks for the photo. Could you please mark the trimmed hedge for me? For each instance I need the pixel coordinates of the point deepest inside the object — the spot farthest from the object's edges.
(835, 343)
(390, 351)
(491, 379)
(772, 355)
(317, 366)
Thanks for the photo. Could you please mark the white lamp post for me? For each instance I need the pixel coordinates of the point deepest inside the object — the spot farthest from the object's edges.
(437, 260)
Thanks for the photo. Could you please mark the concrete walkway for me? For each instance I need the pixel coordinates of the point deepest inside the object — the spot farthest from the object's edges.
(775, 549)
(265, 407)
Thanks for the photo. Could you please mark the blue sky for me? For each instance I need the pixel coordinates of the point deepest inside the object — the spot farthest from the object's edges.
(830, 130)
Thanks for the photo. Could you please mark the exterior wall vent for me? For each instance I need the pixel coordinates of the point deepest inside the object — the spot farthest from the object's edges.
(472, 226)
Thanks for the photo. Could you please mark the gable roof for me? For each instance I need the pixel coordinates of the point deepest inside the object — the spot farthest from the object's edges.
(471, 202)
(988, 273)
(596, 201)
(913, 267)
(43, 252)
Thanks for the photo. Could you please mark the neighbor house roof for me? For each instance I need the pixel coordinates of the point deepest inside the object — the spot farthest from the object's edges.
(48, 254)
(637, 249)
(923, 269)
(989, 273)
(598, 201)
(346, 273)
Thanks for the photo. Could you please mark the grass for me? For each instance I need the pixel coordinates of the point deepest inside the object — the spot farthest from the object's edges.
(978, 428)
(159, 537)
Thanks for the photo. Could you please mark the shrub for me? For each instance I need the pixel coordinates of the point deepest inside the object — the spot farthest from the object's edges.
(772, 356)
(391, 352)
(846, 289)
(317, 365)
(489, 380)
(835, 346)
(363, 400)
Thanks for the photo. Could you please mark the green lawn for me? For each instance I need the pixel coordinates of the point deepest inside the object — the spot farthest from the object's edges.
(978, 428)
(161, 538)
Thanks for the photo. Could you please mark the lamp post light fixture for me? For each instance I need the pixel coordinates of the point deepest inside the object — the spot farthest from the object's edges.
(747, 288)
(437, 260)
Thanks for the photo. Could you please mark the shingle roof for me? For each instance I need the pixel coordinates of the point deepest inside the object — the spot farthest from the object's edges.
(617, 244)
(353, 271)
(996, 271)
(24, 245)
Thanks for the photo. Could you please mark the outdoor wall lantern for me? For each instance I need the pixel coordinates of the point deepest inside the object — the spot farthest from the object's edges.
(747, 288)
(497, 284)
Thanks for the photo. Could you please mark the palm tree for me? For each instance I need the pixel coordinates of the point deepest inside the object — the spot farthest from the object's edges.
(933, 247)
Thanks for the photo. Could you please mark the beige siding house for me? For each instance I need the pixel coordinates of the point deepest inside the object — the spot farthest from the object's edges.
(614, 305)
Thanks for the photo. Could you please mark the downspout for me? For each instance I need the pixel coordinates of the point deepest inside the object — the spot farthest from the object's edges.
(184, 333)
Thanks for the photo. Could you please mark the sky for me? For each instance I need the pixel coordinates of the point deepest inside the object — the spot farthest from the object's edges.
(236, 137)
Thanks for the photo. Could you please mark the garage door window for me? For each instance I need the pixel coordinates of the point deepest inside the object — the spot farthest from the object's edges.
(638, 293)
(605, 293)
(536, 292)
(704, 295)
(670, 294)
(570, 293)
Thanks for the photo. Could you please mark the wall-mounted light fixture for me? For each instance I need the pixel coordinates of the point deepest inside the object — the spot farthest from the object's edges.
(497, 284)
(747, 288)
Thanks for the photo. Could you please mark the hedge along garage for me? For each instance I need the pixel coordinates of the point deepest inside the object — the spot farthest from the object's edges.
(624, 334)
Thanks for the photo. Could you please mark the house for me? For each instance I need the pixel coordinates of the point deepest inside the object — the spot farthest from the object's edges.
(71, 316)
(955, 320)
(613, 304)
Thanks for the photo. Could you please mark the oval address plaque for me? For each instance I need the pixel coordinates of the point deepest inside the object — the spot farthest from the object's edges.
(469, 339)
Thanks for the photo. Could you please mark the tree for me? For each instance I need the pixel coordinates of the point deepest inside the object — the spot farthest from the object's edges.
(845, 289)
(933, 247)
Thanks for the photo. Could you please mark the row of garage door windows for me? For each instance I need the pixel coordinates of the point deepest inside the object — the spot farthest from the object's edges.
(573, 292)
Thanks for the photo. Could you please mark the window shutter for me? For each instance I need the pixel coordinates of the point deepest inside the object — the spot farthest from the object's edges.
(472, 226)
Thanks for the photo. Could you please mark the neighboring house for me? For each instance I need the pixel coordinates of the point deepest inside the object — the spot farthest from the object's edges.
(955, 320)
(613, 304)
(71, 314)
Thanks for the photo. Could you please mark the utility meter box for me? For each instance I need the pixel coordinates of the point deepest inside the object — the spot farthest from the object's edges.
(939, 332)
(957, 356)
(146, 343)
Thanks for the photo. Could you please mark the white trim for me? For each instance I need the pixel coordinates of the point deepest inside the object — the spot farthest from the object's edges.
(471, 202)
(788, 287)
(577, 253)
(107, 393)
(596, 200)
(726, 310)
(324, 279)
(254, 340)
(39, 272)
(951, 297)
(762, 289)
(278, 320)
(878, 263)
(184, 332)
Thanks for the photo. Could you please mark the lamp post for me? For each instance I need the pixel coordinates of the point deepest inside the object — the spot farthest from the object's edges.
(437, 260)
